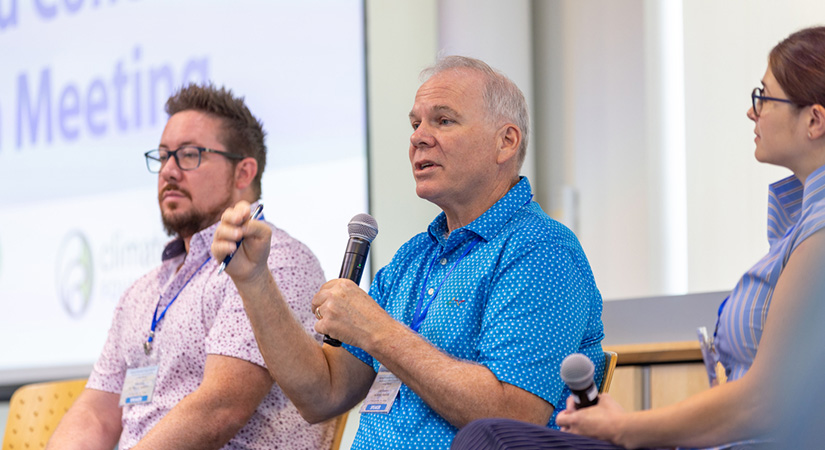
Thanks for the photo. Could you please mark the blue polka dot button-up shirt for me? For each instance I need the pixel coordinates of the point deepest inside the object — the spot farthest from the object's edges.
(520, 301)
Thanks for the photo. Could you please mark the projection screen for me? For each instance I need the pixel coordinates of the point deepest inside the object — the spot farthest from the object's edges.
(82, 90)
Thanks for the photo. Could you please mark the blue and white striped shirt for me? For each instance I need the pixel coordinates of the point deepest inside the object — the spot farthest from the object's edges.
(795, 212)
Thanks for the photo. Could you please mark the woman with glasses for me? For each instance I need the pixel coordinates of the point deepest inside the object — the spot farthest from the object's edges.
(755, 340)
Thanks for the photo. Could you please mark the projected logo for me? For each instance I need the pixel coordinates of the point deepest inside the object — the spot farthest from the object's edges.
(74, 274)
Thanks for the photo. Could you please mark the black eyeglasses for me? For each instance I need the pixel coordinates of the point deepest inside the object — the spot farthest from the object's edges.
(757, 99)
(187, 157)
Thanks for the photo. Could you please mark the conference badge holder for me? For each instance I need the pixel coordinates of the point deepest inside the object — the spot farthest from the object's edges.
(382, 393)
(709, 356)
(141, 377)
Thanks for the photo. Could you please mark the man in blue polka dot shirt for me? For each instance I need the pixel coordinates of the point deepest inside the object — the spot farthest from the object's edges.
(471, 318)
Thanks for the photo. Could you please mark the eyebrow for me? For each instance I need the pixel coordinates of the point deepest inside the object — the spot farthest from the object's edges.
(184, 144)
(439, 109)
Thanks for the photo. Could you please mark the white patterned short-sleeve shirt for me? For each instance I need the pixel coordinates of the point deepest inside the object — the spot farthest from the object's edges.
(207, 317)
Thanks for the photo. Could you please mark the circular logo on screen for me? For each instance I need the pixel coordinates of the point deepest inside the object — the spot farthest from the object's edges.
(74, 274)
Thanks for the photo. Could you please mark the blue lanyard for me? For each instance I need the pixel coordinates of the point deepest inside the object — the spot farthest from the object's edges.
(420, 314)
(718, 319)
(147, 346)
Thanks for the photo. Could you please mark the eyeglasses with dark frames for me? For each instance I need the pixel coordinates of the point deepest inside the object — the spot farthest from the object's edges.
(187, 157)
(757, 99)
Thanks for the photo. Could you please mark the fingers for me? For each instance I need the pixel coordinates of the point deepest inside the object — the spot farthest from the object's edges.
(345, 309)
(328, 292)
(229, 231)
(319, 299)
(342, 310)
(238, 214)
(234, 226)
(566, 420)
(233, 218)
(563, 419)
(600, 421)
(335, 288)
(255, 229)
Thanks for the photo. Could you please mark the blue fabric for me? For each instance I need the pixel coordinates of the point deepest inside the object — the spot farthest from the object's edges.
(794, 213)
(519, 302)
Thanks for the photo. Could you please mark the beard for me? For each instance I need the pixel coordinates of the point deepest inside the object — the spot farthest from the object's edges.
(186, 223)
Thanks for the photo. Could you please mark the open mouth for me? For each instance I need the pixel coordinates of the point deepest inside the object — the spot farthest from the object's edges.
(423, 165)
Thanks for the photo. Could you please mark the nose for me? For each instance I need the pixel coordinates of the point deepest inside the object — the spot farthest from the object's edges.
(752, 114)
(422, 137)
(170, 170)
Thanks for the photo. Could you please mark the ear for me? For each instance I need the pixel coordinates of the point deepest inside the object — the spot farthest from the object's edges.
(508, 141)
(245, 172)
(816, 122)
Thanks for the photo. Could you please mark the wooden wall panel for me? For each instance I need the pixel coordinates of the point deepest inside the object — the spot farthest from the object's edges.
(672, 383)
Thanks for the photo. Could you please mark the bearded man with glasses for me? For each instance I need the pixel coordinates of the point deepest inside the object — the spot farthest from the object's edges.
(181, 367)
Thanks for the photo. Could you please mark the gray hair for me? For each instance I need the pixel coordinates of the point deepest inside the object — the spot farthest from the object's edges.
(504, 100)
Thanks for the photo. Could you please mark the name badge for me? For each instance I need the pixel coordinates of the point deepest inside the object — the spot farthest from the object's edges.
(139, 385)
(710, 357)
(382, 393)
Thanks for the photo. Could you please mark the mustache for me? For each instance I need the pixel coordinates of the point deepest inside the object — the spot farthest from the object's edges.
(173, 187)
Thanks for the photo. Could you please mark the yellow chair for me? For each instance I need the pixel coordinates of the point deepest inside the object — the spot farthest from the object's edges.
(340, 425)
(610, 359)
(35, 410)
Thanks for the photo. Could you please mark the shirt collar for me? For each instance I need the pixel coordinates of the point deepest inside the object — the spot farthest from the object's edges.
(814, 188)
(200, 243)
(788, 197)
(489, 224)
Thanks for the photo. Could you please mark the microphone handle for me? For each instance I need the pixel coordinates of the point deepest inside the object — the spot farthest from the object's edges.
(588, 396)
(352, 268)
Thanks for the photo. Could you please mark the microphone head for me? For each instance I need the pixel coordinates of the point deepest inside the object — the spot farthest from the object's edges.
(363, 226)
(577, 371)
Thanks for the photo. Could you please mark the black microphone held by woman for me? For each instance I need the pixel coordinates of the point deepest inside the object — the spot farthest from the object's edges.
(577, 373)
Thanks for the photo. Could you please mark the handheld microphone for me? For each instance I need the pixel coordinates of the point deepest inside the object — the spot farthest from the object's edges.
(362, 230)
(577, 373)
